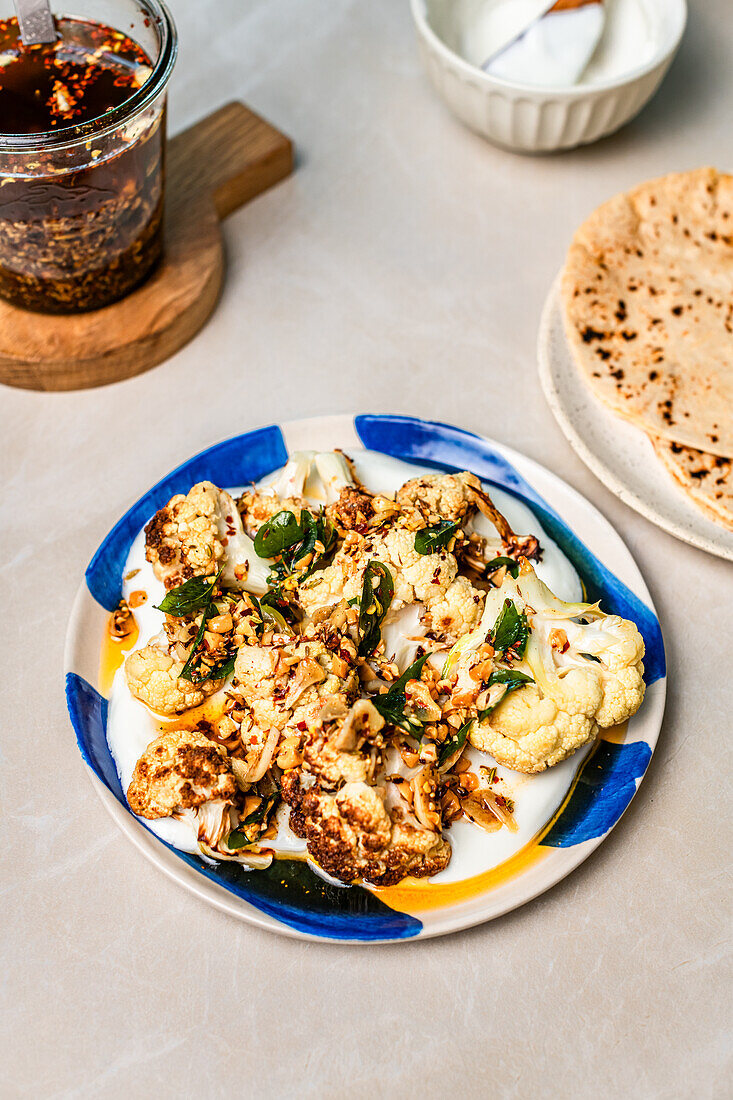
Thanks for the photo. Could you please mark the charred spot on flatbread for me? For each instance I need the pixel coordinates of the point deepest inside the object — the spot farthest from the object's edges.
(647, 294)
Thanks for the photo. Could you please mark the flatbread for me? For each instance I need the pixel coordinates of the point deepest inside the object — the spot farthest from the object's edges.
(707, 479)
(647, 294)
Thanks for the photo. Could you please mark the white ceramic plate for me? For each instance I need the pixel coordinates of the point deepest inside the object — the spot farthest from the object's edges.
(618, 453)
(289, 897)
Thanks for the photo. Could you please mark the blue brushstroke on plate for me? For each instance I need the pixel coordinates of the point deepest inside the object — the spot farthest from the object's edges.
(88, 711)
(606, 785)
(291, 892)
(236, 461)
(447, 448)
(288, 890)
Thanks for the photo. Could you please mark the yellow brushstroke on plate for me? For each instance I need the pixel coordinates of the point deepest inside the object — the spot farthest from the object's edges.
(416, 895)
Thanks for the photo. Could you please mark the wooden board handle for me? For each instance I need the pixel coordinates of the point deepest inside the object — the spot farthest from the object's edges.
(231, 156)
(213, 167)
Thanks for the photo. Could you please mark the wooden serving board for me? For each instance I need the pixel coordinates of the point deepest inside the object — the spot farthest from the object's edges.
(212, 168)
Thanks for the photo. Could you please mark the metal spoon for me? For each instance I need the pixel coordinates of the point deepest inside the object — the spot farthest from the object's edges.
(35, 21)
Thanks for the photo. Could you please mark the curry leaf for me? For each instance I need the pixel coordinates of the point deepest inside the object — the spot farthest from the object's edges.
(223, 669)
(414, 672)
(430, 539)
(326, 535)
(376, 596)
(391, 705)
(315, 530)
(187, 672)
(309, 535)
(195, 595)
(454, 743)
(512, 566)
(188, 598)
(513, 679)
(278, 533)
(510, 629)
(238, 838)
(280, 610)
(292, 540)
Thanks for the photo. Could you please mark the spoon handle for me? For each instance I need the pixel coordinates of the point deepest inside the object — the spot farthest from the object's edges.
(35, 21)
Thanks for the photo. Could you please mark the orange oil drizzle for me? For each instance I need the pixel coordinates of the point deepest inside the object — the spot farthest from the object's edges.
(210, 711)
(114, 651)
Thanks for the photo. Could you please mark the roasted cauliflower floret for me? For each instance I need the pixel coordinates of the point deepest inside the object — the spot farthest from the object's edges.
(585, 669)
(256, 508)
(529, 731)
(421, 853)
(441, 496)
(180, 770)
(331, 767)
(417, 577)
(286, 684)
(424, 578)
(182, 539)
(329, 586)
(351, 835)
(198, 535)
(619, 647)
(458, 612)
(346, 831)
(457, 497)
(623, 694)
(609, 647)
(154, 678)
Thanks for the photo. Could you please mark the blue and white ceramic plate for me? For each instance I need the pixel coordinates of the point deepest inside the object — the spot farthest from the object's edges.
(289, 897)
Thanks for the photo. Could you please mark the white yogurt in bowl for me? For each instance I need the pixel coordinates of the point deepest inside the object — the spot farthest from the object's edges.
(634, 32)
(536, 110)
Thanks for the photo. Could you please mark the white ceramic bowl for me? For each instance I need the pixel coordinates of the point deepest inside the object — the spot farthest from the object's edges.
(532, 119)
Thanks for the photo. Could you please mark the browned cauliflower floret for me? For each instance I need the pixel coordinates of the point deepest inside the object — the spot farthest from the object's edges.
(358, 510)
(182, 539)
(154, 678)
(441, 496)
(352, 836)
(198, 535)
(180, 770)
(457, 497)
(286, 684)
(257, 506)
(421, 853)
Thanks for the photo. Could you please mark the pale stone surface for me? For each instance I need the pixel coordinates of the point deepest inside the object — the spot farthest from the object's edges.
(401, 269)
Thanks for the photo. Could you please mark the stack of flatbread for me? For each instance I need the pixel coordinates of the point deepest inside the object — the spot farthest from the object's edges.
(647, 295)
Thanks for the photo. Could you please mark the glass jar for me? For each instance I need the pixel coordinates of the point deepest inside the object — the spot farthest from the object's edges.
(81, 206)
